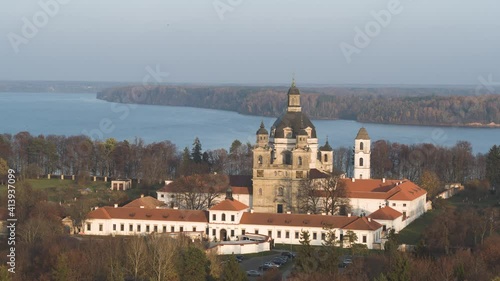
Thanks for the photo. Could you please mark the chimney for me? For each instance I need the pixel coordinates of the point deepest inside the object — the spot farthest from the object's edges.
(288, 212)
(116, 205)
(349, 215)
(176, 208)
(369, 219)
(353, 179)
(142, 207)
(96, 207)
(323, 214)
(157, 207)
(308, 213)
(251, 211)
(142, 195)
(383, 180)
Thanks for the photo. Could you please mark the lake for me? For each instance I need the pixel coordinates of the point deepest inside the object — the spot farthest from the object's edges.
(74, 114)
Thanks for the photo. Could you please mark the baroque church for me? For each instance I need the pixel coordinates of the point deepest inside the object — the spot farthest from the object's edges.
(289, 155)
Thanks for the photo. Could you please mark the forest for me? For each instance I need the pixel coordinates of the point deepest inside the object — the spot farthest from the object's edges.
(461, 245)
(35, 156)
(409, 106)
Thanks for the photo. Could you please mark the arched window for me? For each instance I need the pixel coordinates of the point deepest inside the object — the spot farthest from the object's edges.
(223, 217)
(360, 176)
(361, 162)
(361, 146)
(300, 161)
(325, 158)
(288, 158)
(260, 191)
(260, 159)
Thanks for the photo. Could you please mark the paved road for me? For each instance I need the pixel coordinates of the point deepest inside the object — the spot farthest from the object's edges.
(255, 262)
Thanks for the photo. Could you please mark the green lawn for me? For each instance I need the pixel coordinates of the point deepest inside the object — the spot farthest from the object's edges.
(413, 232)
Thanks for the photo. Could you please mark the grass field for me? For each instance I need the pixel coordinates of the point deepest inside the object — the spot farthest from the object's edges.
(96, 193)
(413, 232)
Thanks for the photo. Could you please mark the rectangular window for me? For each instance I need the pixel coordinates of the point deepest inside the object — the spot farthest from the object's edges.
(364, 238)
(296, 235)
(269, 233)
(100, 227)
(214, 217)
(181, 229)
(278, 234)
(162, 196)
(260, 173)
(172, 229)
(287, 234)
(155, 228)
(138, 228)
(242, 232)
(323, 236)
(164, 228)
(232, 233)
(256, 231)
(88, 226)
(232, 217)
(315, 236)
(130, 227)
(114, 227)
(147, 228)
(213, 232)
(394, 204)
(404, 205)
(122, 227)
(194, 228)
(299, 174)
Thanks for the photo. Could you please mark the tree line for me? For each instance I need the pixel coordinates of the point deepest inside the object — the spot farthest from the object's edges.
(426, 164)
(448, 107)
(32, 156)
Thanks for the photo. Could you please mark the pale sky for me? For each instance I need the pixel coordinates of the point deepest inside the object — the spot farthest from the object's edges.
(254, 41)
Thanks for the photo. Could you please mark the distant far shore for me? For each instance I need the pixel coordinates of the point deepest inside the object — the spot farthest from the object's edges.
(397, 106)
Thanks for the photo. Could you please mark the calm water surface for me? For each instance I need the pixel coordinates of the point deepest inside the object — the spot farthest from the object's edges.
(74, 114)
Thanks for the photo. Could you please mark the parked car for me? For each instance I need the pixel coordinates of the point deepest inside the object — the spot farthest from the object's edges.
(239, 258)
(290, 255)
(278, 261)
(253, 272)
(265, 267)
(271, 264)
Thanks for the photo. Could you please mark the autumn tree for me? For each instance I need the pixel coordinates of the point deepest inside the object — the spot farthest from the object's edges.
(493, 166)
(431, 183)
(336, 201)
(4, 168)
(232, 271)
(309, 197)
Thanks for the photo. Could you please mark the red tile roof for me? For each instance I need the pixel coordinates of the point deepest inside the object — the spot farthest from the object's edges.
(363, 223)
(385, 213)
(229, 205)
(239, 184)
(133, 213)
(377, 189)
(147, 201)
(303, 220)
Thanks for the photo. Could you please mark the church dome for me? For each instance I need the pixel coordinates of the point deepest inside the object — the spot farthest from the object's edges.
(293, 118)
(326, 147)
(302, 132)
(297, 121)
(262, 130)
(362, 134)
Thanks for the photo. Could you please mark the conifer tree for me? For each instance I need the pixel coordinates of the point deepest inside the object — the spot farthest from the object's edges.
(232, 271)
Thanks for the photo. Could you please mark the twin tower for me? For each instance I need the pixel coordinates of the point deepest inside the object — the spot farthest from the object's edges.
(287, 156)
